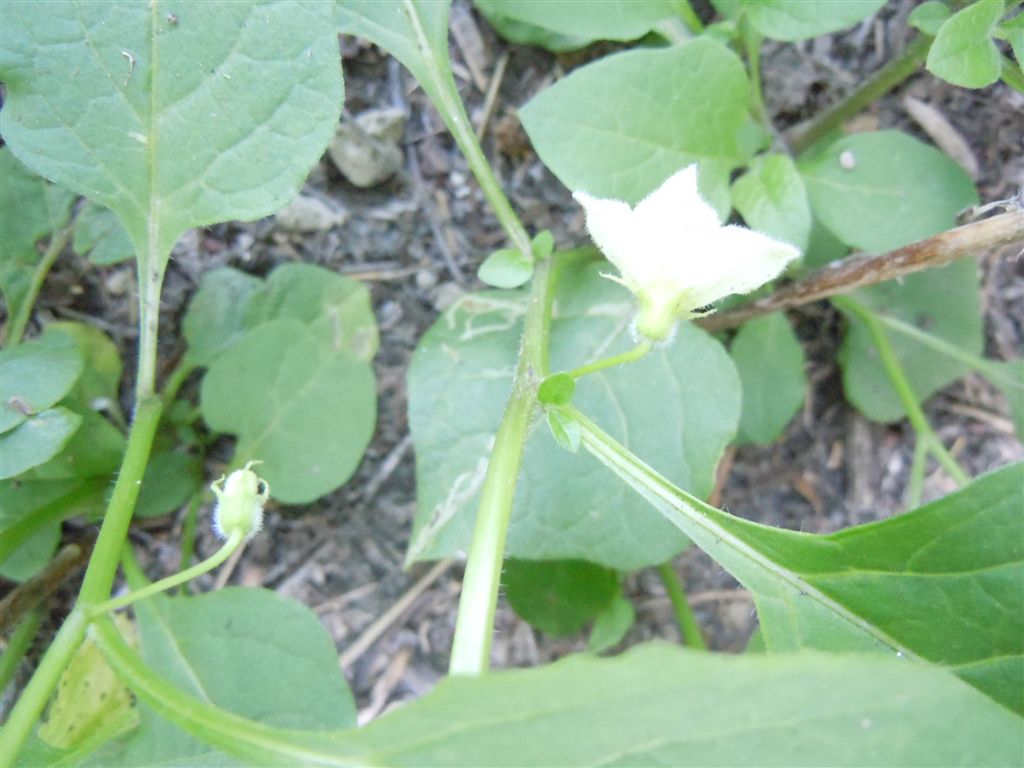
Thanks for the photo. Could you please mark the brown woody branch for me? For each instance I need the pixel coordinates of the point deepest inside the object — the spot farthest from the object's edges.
(861, 270)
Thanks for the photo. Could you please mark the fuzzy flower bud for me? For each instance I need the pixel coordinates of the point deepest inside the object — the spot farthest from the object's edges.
(240, 500)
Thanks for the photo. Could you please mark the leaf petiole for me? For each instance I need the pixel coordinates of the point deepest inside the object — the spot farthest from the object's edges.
(628, 356)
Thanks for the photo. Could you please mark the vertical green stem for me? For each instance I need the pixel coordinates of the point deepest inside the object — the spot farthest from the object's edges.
(442, 87)
(752, 48)
(902, 387)
(35, 695)
(688, 626)
(474, 626)
(99, 578)
(915, 485)
(16, 328)
(18, 645)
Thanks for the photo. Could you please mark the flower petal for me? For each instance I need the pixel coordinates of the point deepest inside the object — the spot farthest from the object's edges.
(611, 225)
(740, 261)
(677, 210)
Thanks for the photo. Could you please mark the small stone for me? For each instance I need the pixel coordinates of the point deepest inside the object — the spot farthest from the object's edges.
(445, 295)
(425, 279)
(309, 214)
(366, 149)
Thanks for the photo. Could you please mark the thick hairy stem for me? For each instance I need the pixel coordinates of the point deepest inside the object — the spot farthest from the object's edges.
(474, 626)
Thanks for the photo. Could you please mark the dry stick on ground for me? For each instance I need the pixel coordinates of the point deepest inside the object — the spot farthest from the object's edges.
(381, 625)
(860, 271)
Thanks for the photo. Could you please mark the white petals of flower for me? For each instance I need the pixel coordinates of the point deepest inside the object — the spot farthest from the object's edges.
(674, 254)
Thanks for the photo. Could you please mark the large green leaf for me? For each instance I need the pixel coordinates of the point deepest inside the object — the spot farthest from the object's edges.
(565, 507)
(939, 584)
(881, 190)
(963, 52)
(298, 402)
(617, 128)
(249, 651)
(37, 440)
(100, 235)
(943, 302)
(656, 705)
(559, 25)
(30, 208)
(171, 115)
(798, 19)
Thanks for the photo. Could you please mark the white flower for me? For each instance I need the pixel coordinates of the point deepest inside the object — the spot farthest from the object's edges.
(674, 254)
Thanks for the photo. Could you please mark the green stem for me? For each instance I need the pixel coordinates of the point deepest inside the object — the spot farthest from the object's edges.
(18, 645)
(218, 557)
(688, 626)
(188, 532)
(689, 16)
(915, 485)
(453, 112)
(33, 698)
(99, 577)
(16, 328)
(474, 626)
(884, 80)
(174, 381)
(752, 48)
(628, 356)
(901, 385)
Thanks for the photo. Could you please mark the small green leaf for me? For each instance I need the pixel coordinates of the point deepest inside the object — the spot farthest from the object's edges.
(100, 235)
(335, 307)
(506, 268)
(944, 302)
(929, 16)
(36, 375)
(91, 700)
(559, 26)
(36, 440)
(556, 389)
(771, 198)
(30, 519)
(563, 428)
(558, 596)
(101, 375)
(297, 402)
(793, 20)
(878, 191)
(618, 127)
(611, 625)
(543, 245)
(963, 52)
(215, 319)
(770, 362)
(30, 209)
